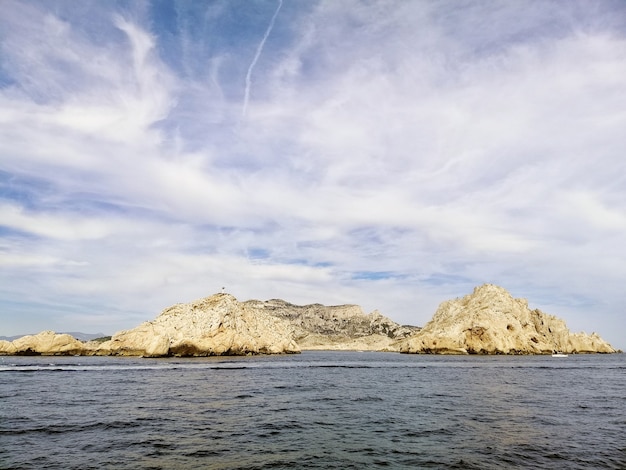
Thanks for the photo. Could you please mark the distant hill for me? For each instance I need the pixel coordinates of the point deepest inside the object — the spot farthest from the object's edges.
(75, 334)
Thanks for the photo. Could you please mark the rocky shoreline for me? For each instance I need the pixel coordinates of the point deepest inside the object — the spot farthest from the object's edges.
(488, 321)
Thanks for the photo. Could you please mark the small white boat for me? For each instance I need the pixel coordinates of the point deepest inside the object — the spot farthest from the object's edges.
(559, 354)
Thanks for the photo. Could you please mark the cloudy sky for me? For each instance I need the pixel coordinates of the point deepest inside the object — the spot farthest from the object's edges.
(392, 154)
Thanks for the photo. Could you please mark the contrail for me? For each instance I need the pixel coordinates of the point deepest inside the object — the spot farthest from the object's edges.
(259, 49)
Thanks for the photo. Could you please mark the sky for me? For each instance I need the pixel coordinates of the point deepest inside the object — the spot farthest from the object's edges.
(390, 154)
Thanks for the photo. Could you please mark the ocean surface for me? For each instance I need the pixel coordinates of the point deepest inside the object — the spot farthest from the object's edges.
(321, 410)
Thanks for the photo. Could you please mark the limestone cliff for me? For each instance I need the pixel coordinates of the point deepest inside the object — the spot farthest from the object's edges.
(338, 327)
(46, 342)
(491, 321)
(216, 325)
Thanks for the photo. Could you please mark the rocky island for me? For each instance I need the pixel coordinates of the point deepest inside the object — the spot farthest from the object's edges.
(221, 325)
(488, 321)
(491, 321)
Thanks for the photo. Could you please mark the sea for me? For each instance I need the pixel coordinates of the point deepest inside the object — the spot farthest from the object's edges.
(315, 410)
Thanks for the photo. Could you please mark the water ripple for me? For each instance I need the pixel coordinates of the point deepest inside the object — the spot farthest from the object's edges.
(316, 410)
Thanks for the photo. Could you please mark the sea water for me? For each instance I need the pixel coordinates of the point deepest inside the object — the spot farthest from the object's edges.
(314, 410)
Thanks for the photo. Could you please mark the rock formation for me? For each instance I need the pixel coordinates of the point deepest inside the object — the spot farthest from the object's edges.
(491, 321)
(46, 342)
(216, 325)
(220, 325)
(339, 327)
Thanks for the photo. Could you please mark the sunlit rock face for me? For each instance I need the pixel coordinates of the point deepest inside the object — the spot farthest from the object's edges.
(337, 327)
(216, 325)
(6, 347)
(44, 343)
(220, 325)
(491, 321)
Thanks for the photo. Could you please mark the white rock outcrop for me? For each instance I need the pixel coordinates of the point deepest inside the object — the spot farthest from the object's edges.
(491, 321)
(216, 325)
(7, 348)
(46, 343)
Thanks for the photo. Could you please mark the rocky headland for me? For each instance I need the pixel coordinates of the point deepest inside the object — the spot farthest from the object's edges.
(491, 321)
(488, 321)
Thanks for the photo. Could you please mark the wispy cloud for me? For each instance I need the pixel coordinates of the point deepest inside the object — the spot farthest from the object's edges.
(259, 50)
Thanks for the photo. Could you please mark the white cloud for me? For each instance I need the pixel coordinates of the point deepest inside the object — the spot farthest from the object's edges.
(593, 214)
(17, 261)
(48, 225)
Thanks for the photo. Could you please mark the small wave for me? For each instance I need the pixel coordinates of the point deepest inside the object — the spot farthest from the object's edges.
(203, 453)
(71, 428)
(367, 399)
(341, 366)
(428, 433)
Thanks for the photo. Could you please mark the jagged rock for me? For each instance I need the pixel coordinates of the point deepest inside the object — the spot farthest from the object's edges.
(338, 327)
(216, 325)
(491, 321)
(44, 343)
